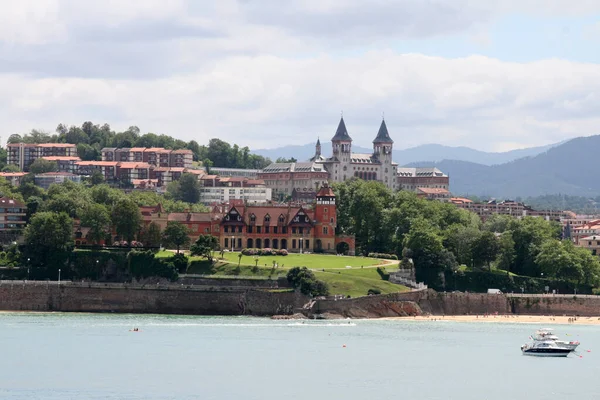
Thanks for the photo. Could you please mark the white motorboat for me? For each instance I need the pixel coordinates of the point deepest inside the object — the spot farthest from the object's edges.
(546, 348)
(546, 334)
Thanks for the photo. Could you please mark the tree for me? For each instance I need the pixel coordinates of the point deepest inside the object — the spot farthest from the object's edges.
(48, 239)
(10, 168)
(485, 249)
(97, 218)
(176, 234)
(460, 240)
(14, 138)
(97, 178)
(284, 160)
(41, 166)
(304, 279)
(126, 219)
(506, 252)
(151, 236)
(186, 189)
(204, 246)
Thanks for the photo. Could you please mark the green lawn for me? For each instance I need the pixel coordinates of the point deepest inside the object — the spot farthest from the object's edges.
(355, 281)
(311, 261)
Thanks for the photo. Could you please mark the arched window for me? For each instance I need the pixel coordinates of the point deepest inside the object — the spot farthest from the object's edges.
(281, 219)
(252, 218)
(267, 218)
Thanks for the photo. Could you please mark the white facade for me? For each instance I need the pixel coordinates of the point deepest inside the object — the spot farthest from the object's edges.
(219, 194)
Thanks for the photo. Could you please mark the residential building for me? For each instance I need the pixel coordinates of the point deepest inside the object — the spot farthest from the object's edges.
(286, 178)
(591, 228)
(45, 180)
(14, 178)
(218, 189)
(411, 179)
(507, 207)
(344, 164)
(591, 243)
(108, 169)
(155, 156)
(128, 171)
(64, 163)
(13, 216)
(24, 154)
(237, 172)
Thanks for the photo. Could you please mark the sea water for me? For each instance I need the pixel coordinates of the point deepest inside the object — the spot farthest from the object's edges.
(97, 356)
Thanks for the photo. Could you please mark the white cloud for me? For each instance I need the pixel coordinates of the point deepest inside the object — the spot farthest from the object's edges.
(262, 73)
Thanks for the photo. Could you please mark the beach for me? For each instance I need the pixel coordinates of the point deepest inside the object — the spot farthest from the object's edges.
(518, 319)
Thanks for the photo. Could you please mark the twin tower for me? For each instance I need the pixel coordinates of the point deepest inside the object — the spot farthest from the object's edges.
(344, 164)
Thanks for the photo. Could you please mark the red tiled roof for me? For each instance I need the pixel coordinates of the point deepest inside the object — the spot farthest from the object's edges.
(8, 202)
(433, 190)
(137, 149)
(190, 217)
(326, 191)
(98, 163)
(182, 151)
(61, 158)
(460, 200)
(134, 165)
(56, 145)
(12, 174)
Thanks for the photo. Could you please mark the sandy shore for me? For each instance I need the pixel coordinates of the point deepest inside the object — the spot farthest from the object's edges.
(518, 319)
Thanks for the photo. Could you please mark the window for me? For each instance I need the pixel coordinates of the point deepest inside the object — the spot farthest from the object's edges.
(284, 229)
(258, 229)
(332, 221)
(301, 230)
(293, 243)
(307, 244)
(225, 229)
(274, 229)
(206, 230)
(249, 229)
(252, 218)
(293, 229)
(266, 229)
(325, 230)
(239, 229)
(226, 242)
(267, 218)
(325, 210)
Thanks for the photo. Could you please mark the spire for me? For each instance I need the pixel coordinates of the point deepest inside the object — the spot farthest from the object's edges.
(317, 150)
(383, 136)
(341, 133)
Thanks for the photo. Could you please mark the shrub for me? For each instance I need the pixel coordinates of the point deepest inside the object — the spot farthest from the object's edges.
(383, 256)
(282, 252)
(180, 261)
(383, 273)
(304, 279)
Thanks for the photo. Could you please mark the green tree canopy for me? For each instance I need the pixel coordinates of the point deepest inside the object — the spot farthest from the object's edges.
(204, 246)
(176, 234)
(97, 218)
(126, 219)
(41, 166)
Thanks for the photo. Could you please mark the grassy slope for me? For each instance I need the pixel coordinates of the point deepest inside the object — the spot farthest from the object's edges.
(354, 281)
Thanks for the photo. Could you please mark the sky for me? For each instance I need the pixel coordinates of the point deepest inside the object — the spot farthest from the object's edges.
(491, 75)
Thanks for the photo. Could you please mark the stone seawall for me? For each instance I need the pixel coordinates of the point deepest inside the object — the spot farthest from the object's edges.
(434, 303)
(123, 299)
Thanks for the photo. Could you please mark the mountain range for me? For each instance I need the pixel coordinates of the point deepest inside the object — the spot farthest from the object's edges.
(567, 168)
(426, 152)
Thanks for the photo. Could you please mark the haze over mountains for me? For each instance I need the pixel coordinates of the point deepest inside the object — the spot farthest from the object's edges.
(566, 168)
(426, 152)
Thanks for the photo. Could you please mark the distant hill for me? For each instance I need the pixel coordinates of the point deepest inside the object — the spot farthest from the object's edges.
(430, 152)
(569, 168)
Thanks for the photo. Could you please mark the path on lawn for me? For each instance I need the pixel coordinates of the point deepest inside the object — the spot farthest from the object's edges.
(383, 262)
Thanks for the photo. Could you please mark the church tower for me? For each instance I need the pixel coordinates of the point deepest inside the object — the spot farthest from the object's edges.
(342, 150)
(325, 220)
(318, 148)
(382, 151)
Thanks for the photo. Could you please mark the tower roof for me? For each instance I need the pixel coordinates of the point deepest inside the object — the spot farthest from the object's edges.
(325, 191)
(383, 136)
(341, 133)
(318, 141)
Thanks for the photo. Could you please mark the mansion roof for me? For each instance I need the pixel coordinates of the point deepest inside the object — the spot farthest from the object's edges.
(293, 167)
(421, 172)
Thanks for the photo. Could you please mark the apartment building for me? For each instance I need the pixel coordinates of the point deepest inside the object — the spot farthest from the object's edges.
(24, 154)
(155, 156)
(413, 179)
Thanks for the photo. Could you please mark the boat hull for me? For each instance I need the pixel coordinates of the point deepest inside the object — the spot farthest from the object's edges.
(547, 352)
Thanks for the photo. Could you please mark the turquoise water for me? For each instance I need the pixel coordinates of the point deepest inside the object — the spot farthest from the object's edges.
(95, 356)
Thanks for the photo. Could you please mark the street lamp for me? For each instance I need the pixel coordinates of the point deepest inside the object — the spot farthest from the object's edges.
(59, 276)
(301, 239)
(29, 259)
(232, 238)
